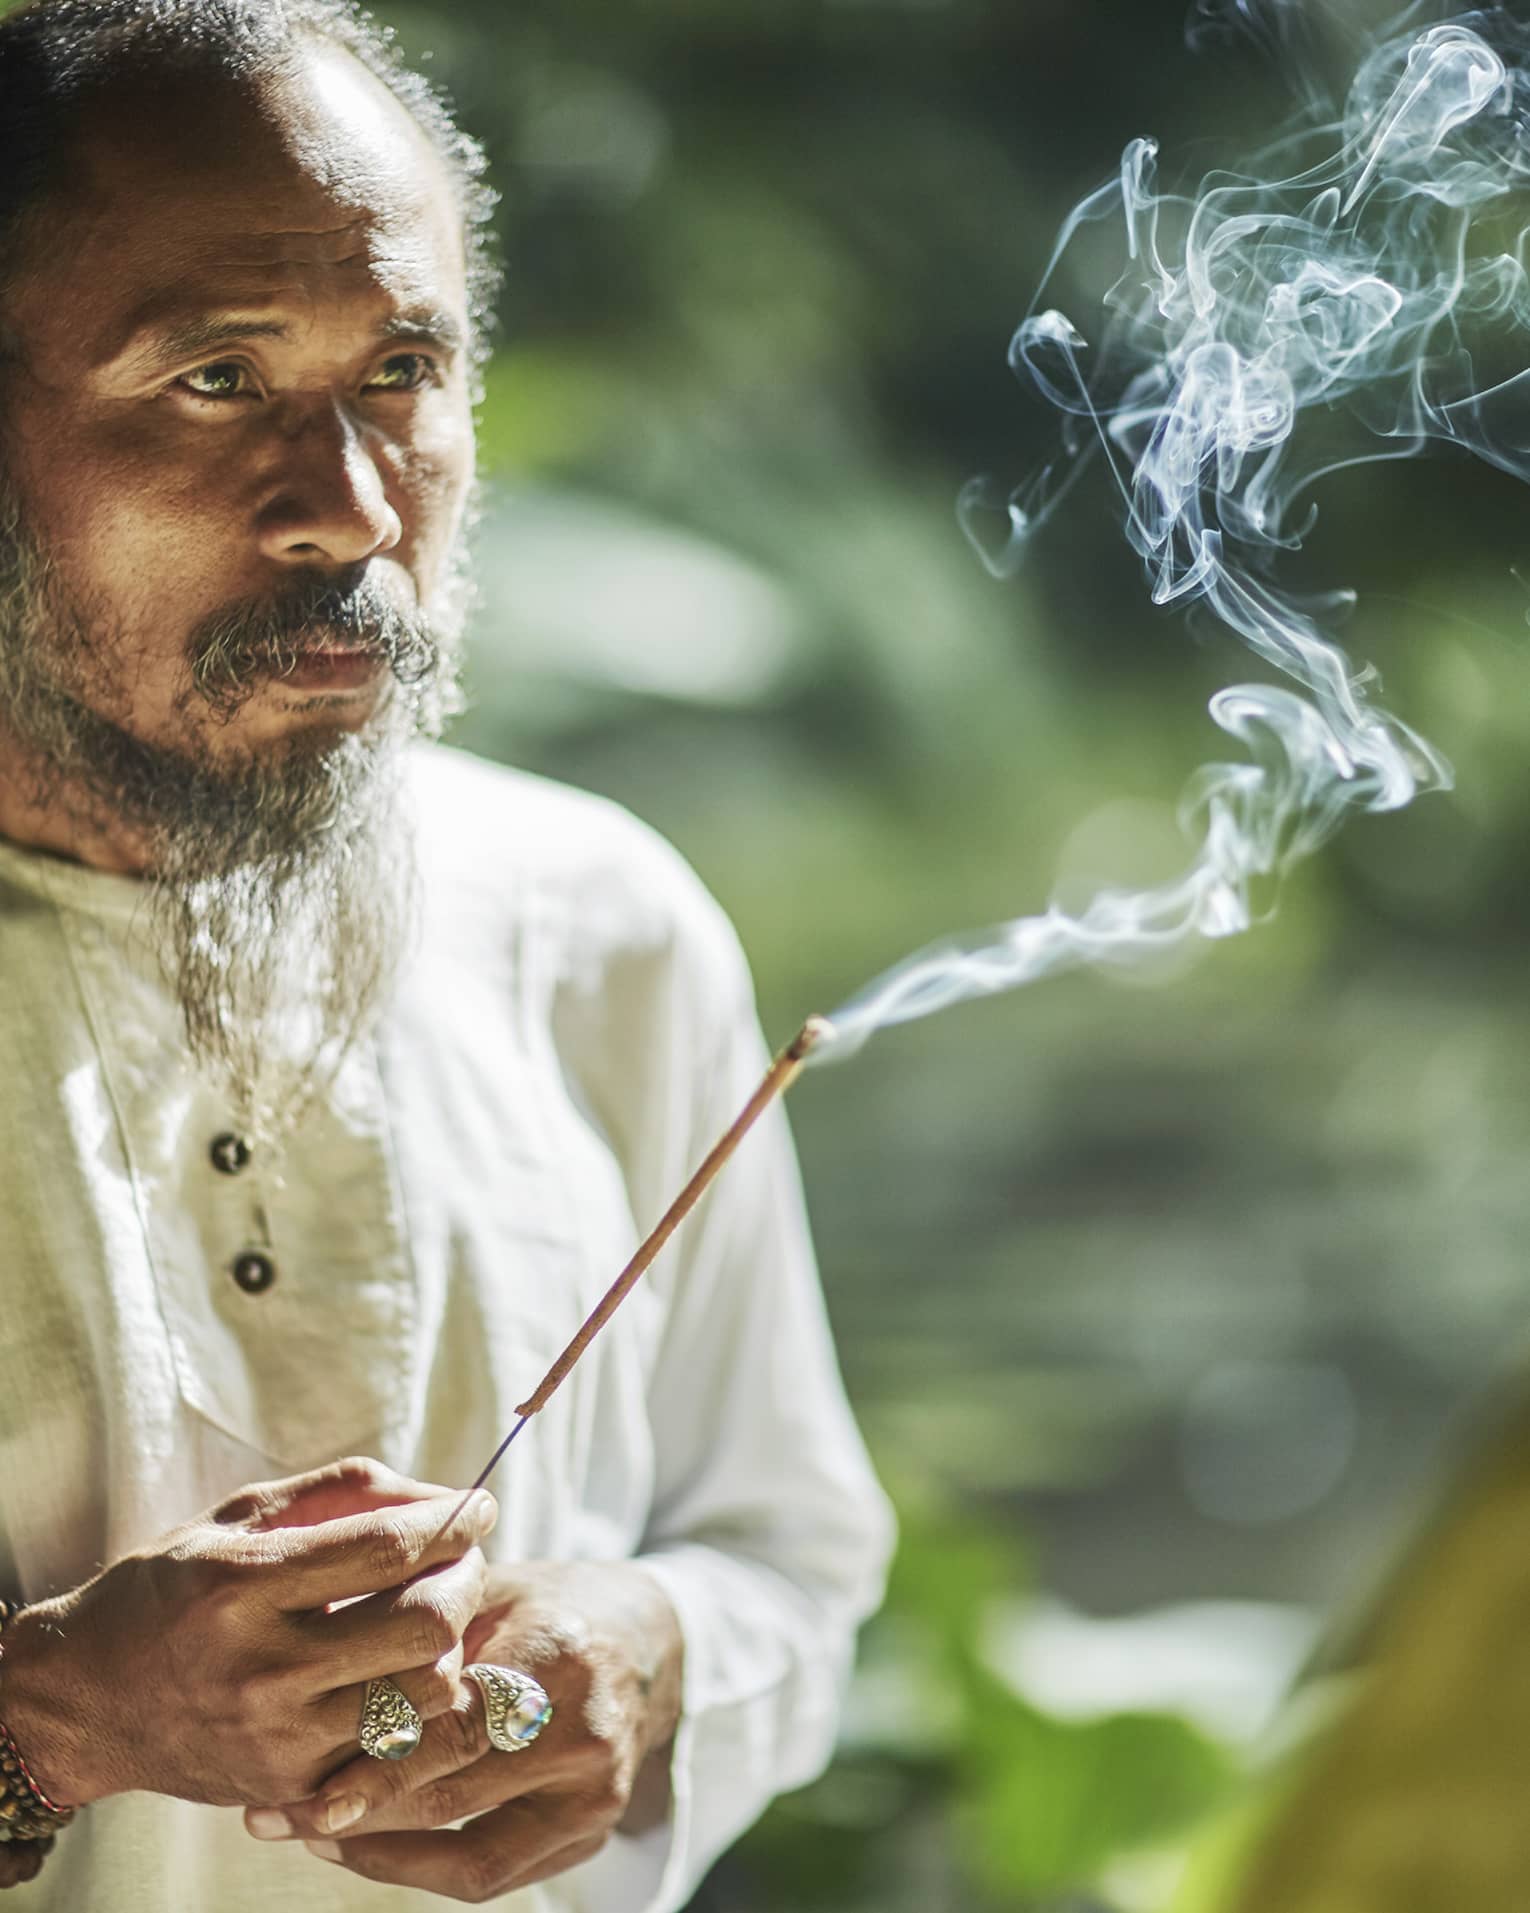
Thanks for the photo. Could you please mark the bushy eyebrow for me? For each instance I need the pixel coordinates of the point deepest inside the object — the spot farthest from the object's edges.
(424, 328)
(208, 332)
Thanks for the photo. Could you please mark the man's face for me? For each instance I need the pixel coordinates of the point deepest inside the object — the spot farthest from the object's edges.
(235, 457)
(241, 326)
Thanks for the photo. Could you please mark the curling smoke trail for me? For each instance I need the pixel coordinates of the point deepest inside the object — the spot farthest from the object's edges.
(1379, 280)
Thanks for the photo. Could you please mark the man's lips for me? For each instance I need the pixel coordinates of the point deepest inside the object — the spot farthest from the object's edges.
(336, 670)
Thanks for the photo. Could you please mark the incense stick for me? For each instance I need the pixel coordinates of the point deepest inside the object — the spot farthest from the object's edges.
(783, 1072)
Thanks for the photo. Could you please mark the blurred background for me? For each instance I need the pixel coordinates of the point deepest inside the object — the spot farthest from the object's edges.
(1167, 1302)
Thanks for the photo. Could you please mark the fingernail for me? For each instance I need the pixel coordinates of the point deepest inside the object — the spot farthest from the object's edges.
(343, 1811)
(486, 1508)
(266, 1823)
(323, 1849)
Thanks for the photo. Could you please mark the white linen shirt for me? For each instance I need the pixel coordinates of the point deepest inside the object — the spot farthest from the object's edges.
(572, 1032)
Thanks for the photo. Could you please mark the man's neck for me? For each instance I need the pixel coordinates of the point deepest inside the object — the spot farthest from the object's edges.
(64, 824)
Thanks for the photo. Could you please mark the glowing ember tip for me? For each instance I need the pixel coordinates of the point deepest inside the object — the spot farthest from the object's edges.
(815, 1032)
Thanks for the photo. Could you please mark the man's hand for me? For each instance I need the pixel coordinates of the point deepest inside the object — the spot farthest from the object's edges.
(209, 1665)
(603, 1640)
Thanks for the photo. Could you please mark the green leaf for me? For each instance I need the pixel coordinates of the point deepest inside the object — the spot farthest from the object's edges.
(1046, 1803)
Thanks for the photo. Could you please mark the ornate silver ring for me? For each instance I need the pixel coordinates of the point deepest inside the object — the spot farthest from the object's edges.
(390, 1724)
(516, 1706)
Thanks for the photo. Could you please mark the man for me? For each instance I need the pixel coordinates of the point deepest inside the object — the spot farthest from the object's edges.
(339, 1074)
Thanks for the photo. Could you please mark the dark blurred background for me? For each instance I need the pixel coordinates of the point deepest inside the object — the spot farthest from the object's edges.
(1165, 1301)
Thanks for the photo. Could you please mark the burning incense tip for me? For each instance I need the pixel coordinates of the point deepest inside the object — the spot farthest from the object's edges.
(815, 1032)
(783, 1072)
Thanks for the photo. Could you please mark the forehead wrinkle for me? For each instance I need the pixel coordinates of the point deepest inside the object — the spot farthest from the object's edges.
(298, 246)
(378, 243)
(260, 292)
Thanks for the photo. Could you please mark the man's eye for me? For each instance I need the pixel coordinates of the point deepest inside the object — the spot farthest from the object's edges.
(225, 380)
(405, 372)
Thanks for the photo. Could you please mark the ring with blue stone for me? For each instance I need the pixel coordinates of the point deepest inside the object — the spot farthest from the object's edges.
(390, 1723)
(515, 1706)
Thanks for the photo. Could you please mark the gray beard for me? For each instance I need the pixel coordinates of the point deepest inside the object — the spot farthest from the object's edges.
(282, 886)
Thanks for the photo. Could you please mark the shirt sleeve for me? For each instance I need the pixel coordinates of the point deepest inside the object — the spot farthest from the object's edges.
(768, 1531)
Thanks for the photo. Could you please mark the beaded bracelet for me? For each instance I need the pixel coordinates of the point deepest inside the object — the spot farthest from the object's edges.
(27, 1815)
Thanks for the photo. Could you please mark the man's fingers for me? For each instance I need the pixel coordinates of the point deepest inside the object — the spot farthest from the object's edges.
(356, 1485)
(497, 1780)
(365, 1553)
(362, 1788)
(493, 1854)
(573, 1855)
(409, 1627)
(335, 1719)
(430, 1804)
(387, 1795)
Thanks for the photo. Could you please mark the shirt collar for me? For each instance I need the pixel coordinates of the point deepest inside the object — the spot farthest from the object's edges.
(102, 894)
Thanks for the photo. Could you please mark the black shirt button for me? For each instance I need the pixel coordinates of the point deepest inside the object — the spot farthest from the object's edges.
(230, 1153)
(254, 1272)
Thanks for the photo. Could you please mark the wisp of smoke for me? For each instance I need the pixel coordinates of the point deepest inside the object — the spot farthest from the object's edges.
(1372, 267)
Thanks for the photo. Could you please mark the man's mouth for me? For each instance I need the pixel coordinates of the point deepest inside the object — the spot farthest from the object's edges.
(334, 668)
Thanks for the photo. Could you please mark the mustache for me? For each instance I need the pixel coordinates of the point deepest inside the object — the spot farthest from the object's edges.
(257, 640)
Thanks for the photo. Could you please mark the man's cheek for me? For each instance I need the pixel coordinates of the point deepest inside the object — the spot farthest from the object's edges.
(434, 474)
(147, 556)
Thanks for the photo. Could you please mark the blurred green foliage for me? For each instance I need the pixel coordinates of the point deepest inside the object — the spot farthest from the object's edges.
(1033, 1806)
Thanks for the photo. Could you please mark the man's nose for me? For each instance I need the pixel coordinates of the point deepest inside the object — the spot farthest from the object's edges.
(331, 502)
